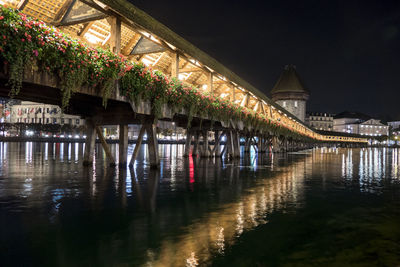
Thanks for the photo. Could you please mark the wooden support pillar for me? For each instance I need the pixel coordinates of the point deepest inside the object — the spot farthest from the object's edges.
(123, 144)
(205, 153)
(188, 142)
(115, 43)
(89, 143)
(236, 144)
(217, 144)
(247, 143)
(267, 143)
(210, 85)
(244, 101)
(225, 150)
(175, 65)
(230, 144)
(115, 37)
(153, 145)
(275, 144)
(137, 145)
(105, 146)
(196, 144)
(260, 147)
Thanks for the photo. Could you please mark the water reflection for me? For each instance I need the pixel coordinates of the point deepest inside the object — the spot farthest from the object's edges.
(184, 214)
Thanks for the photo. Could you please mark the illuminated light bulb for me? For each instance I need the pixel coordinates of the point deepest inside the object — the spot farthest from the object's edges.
(205, 86)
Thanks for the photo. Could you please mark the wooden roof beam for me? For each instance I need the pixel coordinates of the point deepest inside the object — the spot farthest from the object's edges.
(83, 20)
(21, 5)
(63, 10)
(85, 28)
(128, 47)
(191, 70)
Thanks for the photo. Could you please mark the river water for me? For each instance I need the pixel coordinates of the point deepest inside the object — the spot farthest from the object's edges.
(321, 207)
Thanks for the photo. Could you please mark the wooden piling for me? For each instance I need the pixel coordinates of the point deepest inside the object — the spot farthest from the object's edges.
(105, 146)
(123, 144)
(153, 145)
(188, 143)
(89, 143)
(137, 145)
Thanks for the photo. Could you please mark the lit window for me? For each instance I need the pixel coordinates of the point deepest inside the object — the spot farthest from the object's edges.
(295, 104)
(284, 104)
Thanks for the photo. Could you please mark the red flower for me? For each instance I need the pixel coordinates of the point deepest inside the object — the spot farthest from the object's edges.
(1, 17)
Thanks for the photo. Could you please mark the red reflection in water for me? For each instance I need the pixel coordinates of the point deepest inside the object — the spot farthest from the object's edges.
(191, 169)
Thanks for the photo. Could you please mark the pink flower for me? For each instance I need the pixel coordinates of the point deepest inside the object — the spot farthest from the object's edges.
(35, 52)
(1, 17)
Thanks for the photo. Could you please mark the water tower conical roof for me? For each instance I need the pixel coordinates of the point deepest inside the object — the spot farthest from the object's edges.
(289, 82)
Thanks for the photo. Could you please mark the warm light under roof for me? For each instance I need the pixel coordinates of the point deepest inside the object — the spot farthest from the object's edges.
(146, 62)
(91, 38)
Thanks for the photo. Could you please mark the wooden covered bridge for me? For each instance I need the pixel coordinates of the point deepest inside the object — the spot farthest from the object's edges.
(144, 46)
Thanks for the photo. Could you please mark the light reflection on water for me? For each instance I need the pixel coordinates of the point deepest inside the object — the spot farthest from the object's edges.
(184, 214)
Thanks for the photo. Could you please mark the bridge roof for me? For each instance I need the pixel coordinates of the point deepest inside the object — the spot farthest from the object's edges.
(147, 22)
(144, 39)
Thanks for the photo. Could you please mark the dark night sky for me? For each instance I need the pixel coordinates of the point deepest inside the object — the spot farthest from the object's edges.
(347, 52)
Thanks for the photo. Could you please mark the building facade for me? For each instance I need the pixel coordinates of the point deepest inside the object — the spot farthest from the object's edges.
(394, 124)
(290, 93)
(320, 121)
(31, 112)
(358, 123)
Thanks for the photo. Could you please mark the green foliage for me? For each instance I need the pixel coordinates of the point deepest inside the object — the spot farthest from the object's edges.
(28, 42)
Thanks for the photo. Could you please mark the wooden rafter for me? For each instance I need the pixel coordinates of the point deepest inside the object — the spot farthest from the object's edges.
(130, 44)
(95, 12)
(85, 28)
(63, 10)
(21, 5)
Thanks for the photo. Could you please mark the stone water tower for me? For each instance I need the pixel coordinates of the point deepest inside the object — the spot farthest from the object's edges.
(290, 93)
